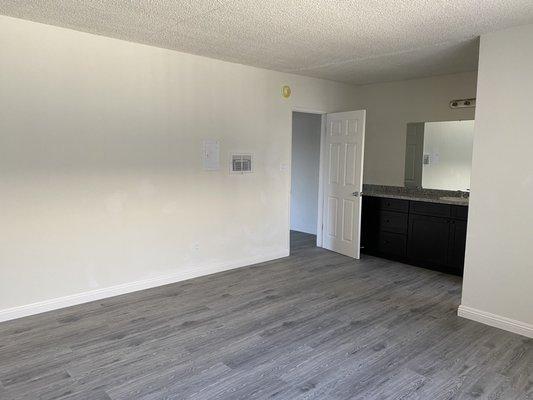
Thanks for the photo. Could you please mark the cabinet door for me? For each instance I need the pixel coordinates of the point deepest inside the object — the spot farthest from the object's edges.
(457, 245)
(429, 239)
(369, 225)
(392, 245)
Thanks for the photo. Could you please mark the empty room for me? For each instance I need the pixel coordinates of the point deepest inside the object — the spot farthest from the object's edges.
(230, 199)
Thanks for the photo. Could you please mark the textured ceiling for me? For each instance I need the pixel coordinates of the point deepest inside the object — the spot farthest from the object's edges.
(357, 41)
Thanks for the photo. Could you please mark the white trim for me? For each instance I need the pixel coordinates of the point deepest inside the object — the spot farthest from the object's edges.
(308, 110)
(497, 321)
(98, 294)
(320, 218)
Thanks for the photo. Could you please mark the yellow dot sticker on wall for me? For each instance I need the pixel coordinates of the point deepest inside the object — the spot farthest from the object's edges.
(286, 91)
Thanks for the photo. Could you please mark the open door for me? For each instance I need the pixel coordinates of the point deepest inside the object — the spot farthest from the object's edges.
(343, 182)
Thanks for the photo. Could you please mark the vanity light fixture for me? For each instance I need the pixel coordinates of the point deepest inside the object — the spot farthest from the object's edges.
(463, 103)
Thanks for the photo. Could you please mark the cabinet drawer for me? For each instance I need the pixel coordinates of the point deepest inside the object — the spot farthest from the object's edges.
(394, 222)
(460, 212)
(434, 209)
(392, 244)
(394, 204)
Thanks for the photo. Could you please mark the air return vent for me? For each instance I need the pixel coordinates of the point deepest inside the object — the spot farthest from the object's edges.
(241, 163)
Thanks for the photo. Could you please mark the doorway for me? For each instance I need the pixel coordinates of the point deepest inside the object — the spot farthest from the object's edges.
(305, 172)
(326, 178)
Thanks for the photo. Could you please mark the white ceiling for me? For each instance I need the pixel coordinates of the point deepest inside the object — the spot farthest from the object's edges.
(357, 41)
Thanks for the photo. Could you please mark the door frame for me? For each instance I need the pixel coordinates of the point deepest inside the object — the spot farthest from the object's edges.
(320, 210)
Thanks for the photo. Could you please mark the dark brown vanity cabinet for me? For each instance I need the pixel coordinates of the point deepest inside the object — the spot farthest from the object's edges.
(430, 235)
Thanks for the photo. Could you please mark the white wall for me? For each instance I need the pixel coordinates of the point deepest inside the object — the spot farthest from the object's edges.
(450, 146)
(390, 106)
(305, 164)
(101, 181)
(498, 280)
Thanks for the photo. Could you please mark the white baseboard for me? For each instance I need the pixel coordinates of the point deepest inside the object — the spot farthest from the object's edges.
(98, 294)
(508, 324)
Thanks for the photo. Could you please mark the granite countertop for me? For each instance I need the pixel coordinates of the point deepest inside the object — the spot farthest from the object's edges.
(458, 198)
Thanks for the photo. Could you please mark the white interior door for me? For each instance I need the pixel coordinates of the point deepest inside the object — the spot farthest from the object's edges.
(343, 182)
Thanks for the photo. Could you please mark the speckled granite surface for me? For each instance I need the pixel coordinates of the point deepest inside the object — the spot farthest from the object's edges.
(430, 195)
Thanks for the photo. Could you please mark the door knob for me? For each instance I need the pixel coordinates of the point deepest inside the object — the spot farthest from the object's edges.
(356, 194)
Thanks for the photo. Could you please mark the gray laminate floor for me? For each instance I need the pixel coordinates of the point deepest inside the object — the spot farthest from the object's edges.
(315, 325)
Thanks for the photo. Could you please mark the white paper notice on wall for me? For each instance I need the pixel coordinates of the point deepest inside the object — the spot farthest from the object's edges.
(211, 154)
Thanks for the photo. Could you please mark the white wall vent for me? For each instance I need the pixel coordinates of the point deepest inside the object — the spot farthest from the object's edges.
(241, 163)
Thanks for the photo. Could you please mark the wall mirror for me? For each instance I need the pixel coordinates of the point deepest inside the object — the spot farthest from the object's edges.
(438, 155)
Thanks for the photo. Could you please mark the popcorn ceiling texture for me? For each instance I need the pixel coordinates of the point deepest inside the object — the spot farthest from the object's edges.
(356, 41)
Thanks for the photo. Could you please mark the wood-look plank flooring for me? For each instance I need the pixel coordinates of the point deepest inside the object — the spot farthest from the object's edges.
(315, 325)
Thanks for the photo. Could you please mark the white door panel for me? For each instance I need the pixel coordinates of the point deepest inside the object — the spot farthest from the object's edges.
(345, 134)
